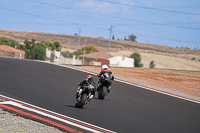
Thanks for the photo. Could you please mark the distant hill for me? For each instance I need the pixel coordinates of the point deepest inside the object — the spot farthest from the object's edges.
(71, 42)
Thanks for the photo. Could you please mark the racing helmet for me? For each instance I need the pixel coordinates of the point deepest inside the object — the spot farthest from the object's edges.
(90, 80)
(89, 76)
(104, 67)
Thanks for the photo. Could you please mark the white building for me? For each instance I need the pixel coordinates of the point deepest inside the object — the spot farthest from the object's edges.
(121, 61)
(56, 53)
(48, 53)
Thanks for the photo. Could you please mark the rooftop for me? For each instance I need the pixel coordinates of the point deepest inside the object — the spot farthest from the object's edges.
(11, 49)
(97, 55)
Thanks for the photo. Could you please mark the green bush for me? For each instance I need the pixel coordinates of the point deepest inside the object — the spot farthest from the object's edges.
(9, 42)
(137, 59)
(38, 51)
(193, 58)
(52, 45)
(151, 64)
(85, 50)
(52, 57)
(67, 54)
(141, 65)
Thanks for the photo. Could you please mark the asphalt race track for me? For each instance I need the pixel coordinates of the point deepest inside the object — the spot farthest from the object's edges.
(127, 109)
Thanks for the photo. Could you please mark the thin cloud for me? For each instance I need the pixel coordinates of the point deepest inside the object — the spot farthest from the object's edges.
(100, 6)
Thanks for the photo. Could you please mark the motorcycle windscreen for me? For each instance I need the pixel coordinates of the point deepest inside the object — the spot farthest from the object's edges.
(91, 82)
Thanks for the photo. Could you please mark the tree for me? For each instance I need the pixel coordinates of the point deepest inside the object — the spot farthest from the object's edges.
(132, 38)
(38, 51)
(33, 41)
(49, 44)
(67, 54)
(86, 50)
(137, 59)
(57, 45)
(113, 37)
(27, 44)
(125, 38)
(151, 64)
(13, 43)
(9, 42)
(89, 49)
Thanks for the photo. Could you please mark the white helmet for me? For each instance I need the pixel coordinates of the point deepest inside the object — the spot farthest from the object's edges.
(104, 67)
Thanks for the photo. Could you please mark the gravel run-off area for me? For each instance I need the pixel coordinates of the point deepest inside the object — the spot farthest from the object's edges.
(13, 123)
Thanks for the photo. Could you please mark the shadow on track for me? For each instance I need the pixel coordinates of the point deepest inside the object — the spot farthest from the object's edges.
(72, 106)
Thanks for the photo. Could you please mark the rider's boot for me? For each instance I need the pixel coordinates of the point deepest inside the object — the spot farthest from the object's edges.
(90, 97)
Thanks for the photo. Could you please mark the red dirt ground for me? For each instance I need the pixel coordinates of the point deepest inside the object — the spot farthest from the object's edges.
(181, 81)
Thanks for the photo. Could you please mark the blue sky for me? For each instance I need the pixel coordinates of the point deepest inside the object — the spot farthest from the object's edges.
(163, 22)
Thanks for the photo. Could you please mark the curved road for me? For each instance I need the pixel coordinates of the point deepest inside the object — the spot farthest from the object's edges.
(127, 109)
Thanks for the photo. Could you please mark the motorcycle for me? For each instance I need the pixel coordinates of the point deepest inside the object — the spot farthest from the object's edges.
(106, 83)
(85, 96)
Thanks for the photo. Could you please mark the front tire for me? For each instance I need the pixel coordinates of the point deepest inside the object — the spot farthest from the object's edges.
(82, 101)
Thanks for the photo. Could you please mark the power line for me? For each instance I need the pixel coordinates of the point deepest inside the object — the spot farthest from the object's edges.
(51, 18)
(128, 19)
(90, 26)
(150, 8)
(39, 23)
(109, 38)
(79, 38)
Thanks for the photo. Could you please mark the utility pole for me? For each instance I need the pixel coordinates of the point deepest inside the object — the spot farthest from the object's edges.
(79, 38)
(84, 52)
(109, 38)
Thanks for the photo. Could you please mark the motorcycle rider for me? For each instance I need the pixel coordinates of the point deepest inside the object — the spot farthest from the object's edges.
(104, 70)
(86, 82)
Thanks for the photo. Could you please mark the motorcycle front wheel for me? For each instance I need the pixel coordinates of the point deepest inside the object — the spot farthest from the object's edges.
(82, 101)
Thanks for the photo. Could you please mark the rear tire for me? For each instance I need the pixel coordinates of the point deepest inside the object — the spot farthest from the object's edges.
(82, 101)
(102, 94)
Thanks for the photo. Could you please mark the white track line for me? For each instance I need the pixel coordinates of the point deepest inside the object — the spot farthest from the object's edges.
(52, 116)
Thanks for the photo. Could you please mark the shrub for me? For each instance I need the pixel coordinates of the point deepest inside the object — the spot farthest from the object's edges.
(193, 58)
(38, 51)
(151, 64)
(137, 59)
(141, 65)
(52, 57)
(67, 54)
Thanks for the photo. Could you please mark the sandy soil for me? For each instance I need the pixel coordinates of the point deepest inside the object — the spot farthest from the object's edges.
(163, 61)
(185, 82)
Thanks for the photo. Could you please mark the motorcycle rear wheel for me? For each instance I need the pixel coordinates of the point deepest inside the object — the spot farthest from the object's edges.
(102, 94)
